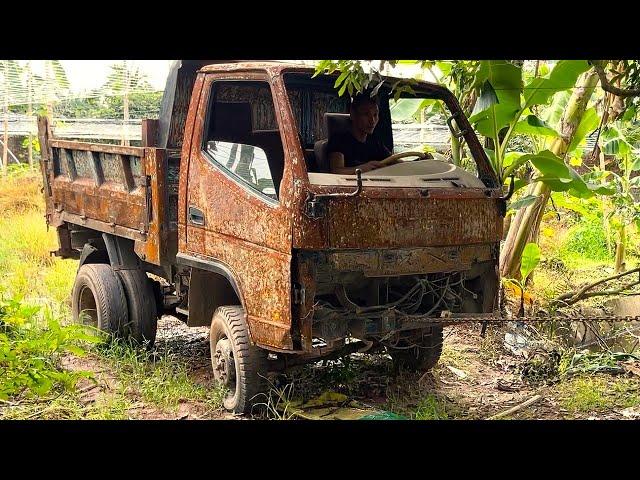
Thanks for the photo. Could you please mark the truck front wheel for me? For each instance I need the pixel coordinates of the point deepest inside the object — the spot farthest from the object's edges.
(98, 299)
(420, 354)
(237, 364)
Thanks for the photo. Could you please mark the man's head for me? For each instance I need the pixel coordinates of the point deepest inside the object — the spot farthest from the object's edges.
(364, 113)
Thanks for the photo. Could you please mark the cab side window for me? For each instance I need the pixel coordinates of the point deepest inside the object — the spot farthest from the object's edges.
(242, 135)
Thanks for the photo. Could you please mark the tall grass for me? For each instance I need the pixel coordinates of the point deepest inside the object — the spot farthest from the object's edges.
(29, 272)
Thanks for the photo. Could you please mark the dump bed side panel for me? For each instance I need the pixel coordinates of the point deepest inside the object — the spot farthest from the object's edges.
(109, 188)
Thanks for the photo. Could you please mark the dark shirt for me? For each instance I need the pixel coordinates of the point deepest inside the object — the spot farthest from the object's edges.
(356, 153)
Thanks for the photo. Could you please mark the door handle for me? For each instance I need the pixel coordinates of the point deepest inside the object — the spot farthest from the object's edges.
(196, 216)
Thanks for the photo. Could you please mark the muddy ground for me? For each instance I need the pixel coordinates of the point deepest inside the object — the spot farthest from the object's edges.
(476, 378)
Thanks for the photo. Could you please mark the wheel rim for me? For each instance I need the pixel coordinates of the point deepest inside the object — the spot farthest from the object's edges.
(87, 311)
(224, 366)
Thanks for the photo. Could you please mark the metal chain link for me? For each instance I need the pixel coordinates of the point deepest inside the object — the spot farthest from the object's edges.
(453, 319)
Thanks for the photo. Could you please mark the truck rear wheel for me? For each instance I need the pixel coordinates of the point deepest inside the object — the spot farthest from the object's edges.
(141, 302)
(423, 356)
(98, 299)
(237, 364)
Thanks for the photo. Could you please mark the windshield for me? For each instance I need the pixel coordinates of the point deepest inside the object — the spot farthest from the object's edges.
(395, 143)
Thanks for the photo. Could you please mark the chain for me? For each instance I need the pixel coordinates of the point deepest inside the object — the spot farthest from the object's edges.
(452, 319)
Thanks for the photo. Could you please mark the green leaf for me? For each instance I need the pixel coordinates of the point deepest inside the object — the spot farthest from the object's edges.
(512, 157)
(629, 114)
(75, 350)
(518, 184)
(612, 147)
(635, 165)
(445, 67)
(563, 77)
(532, 125)
(491, 121)
(486, 99)
(614, 142)
(588, 124)
(523, 202)
(342, 89)
(572, 203)
(505, 79)
(341, 78)
(549, 164)
(554, 113)
(530, 259)
(406, 108)
(601, 189)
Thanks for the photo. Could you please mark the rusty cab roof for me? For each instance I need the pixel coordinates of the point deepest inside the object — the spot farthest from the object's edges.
(279, 67)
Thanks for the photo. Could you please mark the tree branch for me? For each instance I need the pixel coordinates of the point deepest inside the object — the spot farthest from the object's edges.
(595, 284)
(606, 85)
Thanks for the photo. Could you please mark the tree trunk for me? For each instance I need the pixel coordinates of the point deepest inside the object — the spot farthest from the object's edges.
(526, 224)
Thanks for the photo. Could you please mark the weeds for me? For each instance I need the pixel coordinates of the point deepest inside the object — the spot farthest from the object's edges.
(598, 362)
(30, 352)
(30, 272)
(431, 408)
(597, 394)
(160, 378)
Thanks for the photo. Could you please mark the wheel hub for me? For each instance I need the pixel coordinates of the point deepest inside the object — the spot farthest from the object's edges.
(223, 363)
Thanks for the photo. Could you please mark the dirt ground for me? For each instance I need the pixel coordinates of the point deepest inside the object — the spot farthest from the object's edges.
(476, 378)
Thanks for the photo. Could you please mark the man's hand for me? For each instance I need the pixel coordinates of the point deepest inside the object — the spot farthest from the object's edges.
(372, 165)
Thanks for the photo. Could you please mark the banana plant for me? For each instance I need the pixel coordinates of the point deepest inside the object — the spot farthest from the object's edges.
(625, 211)
(530, 260)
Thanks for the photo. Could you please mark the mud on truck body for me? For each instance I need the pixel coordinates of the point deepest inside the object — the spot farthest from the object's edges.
(227, 216)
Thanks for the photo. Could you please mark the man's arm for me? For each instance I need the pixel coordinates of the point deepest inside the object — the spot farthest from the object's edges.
(336, 161)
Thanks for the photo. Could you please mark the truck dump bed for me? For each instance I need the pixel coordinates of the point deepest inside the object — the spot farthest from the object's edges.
(113, 189)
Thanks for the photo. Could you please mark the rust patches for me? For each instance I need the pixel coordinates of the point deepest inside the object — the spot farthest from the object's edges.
(306, 279)
(378, 220)
(155, 249)
(113, 189)
(97, 147)
(248, 233)
(396, 223)
(407, 261)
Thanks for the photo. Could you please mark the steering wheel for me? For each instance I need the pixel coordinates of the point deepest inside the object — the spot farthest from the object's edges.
(397, 156)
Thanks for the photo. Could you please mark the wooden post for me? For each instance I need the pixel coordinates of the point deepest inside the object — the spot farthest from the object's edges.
(29, 112)
(125, 102)
(44, 134)
(5, 148)
(150, 132)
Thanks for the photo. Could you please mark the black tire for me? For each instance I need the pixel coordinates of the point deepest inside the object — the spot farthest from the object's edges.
(98, 295)
(423, 357)
(141, 302)
(230, 343)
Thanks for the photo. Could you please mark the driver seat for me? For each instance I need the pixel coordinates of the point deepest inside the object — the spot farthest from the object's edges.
(335, 123)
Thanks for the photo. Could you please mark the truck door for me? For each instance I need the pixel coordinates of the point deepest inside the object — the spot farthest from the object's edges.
(239, 188)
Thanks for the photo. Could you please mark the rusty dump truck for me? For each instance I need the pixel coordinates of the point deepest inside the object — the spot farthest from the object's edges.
(227, 216)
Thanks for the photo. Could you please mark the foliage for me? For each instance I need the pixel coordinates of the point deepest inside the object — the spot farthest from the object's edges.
(430, 408)
(588, 394)
(160, 379)
(586, 240)
(141, 105)
(530, 260)
(29, 354)
(29, 270)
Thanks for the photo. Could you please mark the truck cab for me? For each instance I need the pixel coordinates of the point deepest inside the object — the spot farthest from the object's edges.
(243, 228)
